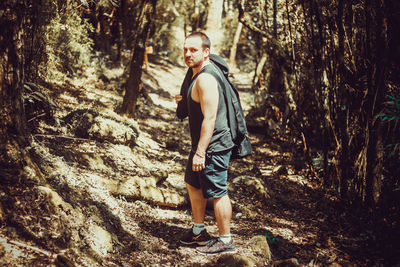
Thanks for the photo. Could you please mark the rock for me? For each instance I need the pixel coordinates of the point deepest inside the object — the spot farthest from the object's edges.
(63, 209)
(63, 261)
(172, 198)
(159, 175)
(144, 189)
(103, 126)
(99, 240)
(250, 186)
(237, 260)
(260, 245)
(95, 162)
(292, 262)
(55, 199)
(150, 192)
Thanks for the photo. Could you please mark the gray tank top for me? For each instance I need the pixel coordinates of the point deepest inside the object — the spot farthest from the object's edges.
(221, 139)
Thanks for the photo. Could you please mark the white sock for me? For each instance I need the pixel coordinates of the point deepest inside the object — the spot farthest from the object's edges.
(197, 228)
(225, 238)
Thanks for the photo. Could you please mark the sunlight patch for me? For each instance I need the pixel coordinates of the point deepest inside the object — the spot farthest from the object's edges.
(297, 179)
(144, 141)
(113, 73)
(69, 99)
(170, 104)
(167, 214)
(288, 234)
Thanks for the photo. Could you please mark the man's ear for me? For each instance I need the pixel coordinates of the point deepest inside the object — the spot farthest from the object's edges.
(207, 51)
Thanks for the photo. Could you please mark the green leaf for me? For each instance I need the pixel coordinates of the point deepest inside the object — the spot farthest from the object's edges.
(390, 97)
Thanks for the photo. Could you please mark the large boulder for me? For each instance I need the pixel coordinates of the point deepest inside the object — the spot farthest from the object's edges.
(139, 188)
(260, 246)
(99, 240)
(103, 126)
(249, 186)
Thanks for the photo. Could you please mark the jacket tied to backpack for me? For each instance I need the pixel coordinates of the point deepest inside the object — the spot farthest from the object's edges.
(236, 119)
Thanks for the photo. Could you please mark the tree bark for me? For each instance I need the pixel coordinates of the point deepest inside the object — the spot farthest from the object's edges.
(343, 121)
(134, 83)
(236, 38)
(214, 24)
(13, 130)
(274, 16)
(375, 99)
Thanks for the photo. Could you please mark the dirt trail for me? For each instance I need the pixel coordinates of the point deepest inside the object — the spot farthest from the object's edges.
(297, 218)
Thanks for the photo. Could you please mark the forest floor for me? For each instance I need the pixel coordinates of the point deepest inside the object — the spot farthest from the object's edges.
(299, 220)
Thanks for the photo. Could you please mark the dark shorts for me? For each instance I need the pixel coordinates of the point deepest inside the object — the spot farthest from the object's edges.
(213, 179)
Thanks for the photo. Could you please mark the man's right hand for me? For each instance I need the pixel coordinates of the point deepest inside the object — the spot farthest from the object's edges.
(178, 98)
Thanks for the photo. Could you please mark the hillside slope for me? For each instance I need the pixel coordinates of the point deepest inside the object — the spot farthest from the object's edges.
(113, 191)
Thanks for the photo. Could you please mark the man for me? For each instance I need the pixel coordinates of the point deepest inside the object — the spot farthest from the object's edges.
(207, 167)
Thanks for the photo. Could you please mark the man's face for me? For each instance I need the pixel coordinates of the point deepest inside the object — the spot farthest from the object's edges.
(194, 52)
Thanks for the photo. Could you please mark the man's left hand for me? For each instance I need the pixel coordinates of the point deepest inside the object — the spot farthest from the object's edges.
(198, 163)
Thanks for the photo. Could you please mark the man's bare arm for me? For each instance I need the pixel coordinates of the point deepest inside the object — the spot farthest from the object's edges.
(207, 92)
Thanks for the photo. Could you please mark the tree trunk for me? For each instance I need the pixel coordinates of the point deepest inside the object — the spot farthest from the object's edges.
(343, 121)
(236, 38)
(375, 99)
(195, 17)
(176, 37)
(134, 83)
(275, 21)
(214, 24)
(13, 130)
(258, 78)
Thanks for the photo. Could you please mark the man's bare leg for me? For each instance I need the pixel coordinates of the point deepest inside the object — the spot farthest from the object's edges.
(223, 214)
(198, 203)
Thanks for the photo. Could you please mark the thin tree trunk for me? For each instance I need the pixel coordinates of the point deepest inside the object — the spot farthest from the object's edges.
(375, 99)
(134, 83)
(214, 24)
(195, 17)
(275, 22)
(343, 121)
(236, 38)
(13, 130)
(258, 79)
(124, 10)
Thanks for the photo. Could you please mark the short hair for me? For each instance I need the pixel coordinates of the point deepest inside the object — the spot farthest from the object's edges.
(204, 38)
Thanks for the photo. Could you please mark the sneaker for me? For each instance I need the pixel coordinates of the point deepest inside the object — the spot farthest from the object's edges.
(216, 246)
(201, 239)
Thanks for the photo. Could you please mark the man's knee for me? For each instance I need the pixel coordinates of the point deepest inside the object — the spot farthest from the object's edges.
(192, 188)
(223, 202)
(194, 191)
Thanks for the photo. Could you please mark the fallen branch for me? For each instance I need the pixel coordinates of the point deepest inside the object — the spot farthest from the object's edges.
(62, 136)
(19, 244)
(38, 116)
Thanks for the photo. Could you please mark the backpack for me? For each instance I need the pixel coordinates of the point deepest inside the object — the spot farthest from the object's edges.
(236, 119)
